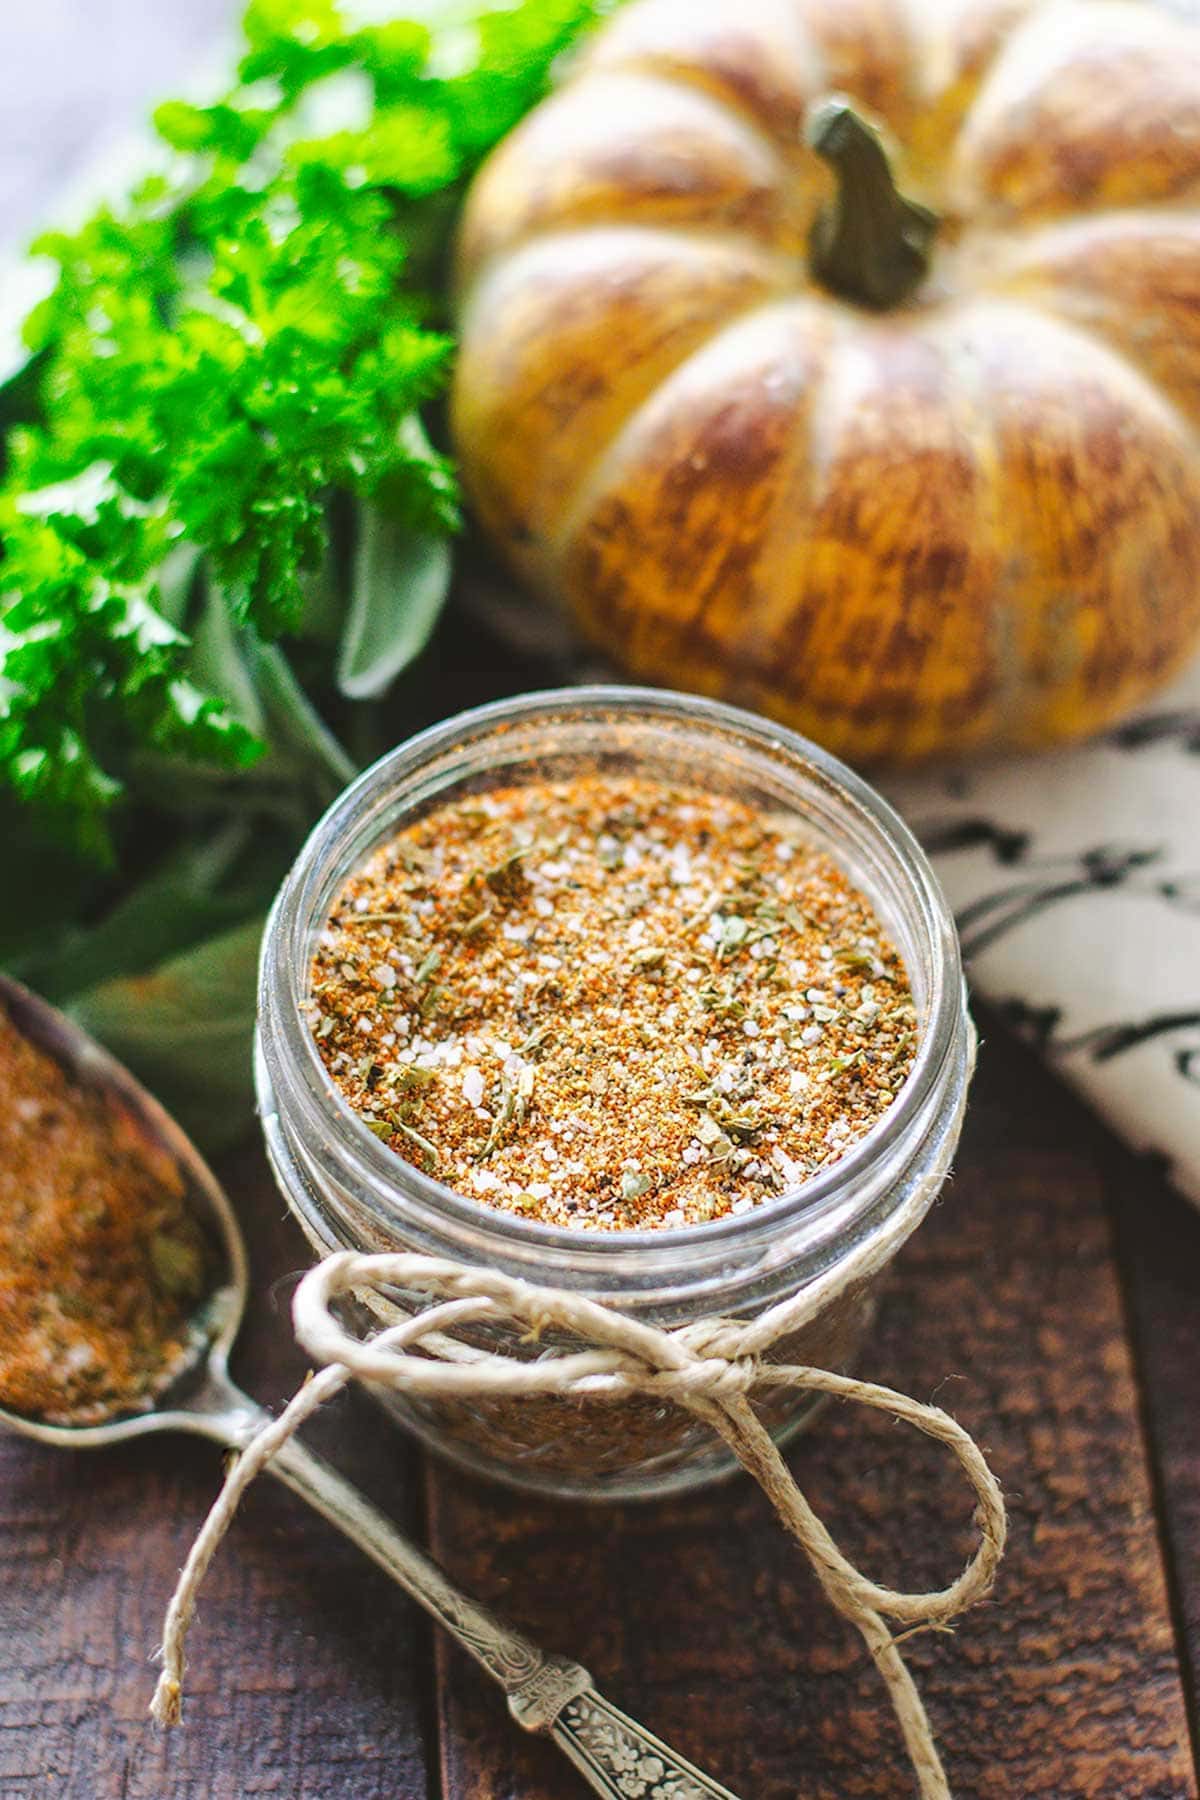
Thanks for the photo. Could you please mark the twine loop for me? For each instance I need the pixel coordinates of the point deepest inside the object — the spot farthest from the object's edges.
(711, 1368)
(708, 1370)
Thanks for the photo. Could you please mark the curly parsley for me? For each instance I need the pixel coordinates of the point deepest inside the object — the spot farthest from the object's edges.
(231, 356)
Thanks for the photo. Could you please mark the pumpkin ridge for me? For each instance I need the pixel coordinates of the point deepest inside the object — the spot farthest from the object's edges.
(966, 85)
(983, 198)
(880, 719)
(1157, 400)
(717, 288)
(936, 55)
(674, 65)
(647, 69)
(943, 101)
(802, 472)
(1132, 392)
(587, 173)
(691, 80)
(578, 506)
(1026, 232)
(1006, 696)
(790, 269)
(1050, 271)
(807, 478)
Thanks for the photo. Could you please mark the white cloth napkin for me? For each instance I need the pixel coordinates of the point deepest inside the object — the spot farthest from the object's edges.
(1075, 878)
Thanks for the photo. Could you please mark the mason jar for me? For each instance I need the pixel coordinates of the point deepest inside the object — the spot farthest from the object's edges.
(829, 1239)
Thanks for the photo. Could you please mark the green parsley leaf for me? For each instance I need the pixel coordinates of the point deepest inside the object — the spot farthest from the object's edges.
(239, 348)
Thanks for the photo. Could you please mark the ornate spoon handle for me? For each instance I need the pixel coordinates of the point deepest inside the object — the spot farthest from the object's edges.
(545, 1693)
(624, 1761)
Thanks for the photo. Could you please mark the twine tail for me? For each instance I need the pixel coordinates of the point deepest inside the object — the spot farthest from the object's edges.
(166, 1706)
(758, 1454)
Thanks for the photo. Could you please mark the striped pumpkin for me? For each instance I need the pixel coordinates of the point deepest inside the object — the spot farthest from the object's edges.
(842, 358)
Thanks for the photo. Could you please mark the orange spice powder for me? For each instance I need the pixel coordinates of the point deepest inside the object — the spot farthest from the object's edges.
(610, 1002)
(102, 1265)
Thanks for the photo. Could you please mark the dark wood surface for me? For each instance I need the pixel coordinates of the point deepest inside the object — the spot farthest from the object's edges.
(1052, 1301)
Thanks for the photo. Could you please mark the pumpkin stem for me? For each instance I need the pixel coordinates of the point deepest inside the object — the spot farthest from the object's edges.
(869, 244)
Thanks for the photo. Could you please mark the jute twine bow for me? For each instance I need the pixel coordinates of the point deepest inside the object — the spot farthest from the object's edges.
(710, 1368)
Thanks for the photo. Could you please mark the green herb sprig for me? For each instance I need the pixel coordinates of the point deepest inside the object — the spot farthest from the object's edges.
(252, 333)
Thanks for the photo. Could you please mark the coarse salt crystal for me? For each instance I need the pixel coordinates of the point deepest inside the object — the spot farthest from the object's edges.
(473, 1085)
(383, 975)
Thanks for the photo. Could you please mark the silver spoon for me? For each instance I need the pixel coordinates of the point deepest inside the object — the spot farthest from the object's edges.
(615, 1754)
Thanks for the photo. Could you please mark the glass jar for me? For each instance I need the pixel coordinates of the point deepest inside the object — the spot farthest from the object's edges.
(833, 1233)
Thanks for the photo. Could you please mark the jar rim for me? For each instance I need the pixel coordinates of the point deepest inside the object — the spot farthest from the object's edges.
(284, 973)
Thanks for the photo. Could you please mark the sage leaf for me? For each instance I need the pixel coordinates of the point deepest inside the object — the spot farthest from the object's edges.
(199, 889)
(323, 602)
(294, 726)
(401, 579)
(176, 583)
(218, 664)
(187, 1030)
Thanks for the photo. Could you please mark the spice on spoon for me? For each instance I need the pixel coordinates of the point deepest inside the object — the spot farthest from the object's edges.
(610, 1002)
(103, 1264)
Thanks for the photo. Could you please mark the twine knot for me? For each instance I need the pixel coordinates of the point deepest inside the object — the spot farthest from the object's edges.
(711, 1368)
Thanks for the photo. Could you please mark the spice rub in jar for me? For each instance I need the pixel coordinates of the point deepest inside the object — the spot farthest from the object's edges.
(102, 1262)
(610, 1002)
